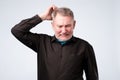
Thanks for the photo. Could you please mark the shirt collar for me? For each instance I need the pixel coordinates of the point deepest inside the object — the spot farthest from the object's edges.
(73, 39)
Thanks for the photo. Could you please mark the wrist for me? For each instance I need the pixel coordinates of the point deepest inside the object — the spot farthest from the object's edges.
(41, 16)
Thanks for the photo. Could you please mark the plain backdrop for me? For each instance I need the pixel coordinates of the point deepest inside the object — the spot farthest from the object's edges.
(98, 22)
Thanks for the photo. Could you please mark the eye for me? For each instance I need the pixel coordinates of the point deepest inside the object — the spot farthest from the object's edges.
(59, 26)
(68, 25)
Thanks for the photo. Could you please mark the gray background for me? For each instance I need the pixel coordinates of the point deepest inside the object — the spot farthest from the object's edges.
(98, 21)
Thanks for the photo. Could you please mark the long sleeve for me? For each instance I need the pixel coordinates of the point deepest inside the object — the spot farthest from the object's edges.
(91, 70)
(22, 32)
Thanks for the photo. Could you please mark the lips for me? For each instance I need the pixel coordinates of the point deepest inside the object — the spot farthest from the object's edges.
(64, 35)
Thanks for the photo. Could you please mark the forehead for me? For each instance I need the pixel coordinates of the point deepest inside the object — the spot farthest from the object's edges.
(59, 19)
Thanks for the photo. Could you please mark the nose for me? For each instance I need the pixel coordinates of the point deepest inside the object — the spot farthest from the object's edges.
(64, 30)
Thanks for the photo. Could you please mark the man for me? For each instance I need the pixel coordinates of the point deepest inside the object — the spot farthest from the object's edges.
(62, 56)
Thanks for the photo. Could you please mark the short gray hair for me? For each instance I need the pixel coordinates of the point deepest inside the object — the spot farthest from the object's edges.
(64, 11)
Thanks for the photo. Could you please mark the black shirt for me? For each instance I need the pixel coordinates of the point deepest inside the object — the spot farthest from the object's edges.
(56, 61)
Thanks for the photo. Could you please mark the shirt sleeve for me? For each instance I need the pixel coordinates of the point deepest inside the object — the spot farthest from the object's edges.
(22, 32)
(90, 64)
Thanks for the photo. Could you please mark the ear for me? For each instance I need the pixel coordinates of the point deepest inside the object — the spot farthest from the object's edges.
(74, 23)
(52, 23)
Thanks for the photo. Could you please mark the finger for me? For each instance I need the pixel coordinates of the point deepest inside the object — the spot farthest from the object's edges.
(54, 7)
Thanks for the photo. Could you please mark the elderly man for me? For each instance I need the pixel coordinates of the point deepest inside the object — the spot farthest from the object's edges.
(62, 56)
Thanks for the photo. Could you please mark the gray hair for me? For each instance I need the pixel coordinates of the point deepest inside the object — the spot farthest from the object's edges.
(63, 11)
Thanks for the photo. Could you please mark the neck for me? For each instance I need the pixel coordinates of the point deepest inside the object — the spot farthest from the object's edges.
(62, 42)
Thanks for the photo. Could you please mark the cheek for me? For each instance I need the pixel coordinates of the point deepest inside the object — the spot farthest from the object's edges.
(70, 30)
(57, 31)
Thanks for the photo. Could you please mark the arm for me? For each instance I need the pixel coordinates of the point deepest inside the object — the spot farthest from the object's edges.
(90, 65)
(22, 30)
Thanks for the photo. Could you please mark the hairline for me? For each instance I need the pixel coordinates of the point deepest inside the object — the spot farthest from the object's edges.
(63, 11)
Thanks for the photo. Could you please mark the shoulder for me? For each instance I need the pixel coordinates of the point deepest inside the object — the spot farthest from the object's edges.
(84, 45)
(82, 42)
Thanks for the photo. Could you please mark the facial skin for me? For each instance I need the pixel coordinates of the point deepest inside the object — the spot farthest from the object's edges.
(63, 27)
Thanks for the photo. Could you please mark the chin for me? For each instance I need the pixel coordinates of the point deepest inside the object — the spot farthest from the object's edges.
(65, 39)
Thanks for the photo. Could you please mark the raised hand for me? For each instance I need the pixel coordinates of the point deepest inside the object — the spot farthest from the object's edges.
(47, 15)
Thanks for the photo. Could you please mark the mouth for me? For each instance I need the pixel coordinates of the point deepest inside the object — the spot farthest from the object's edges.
(64, 35)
